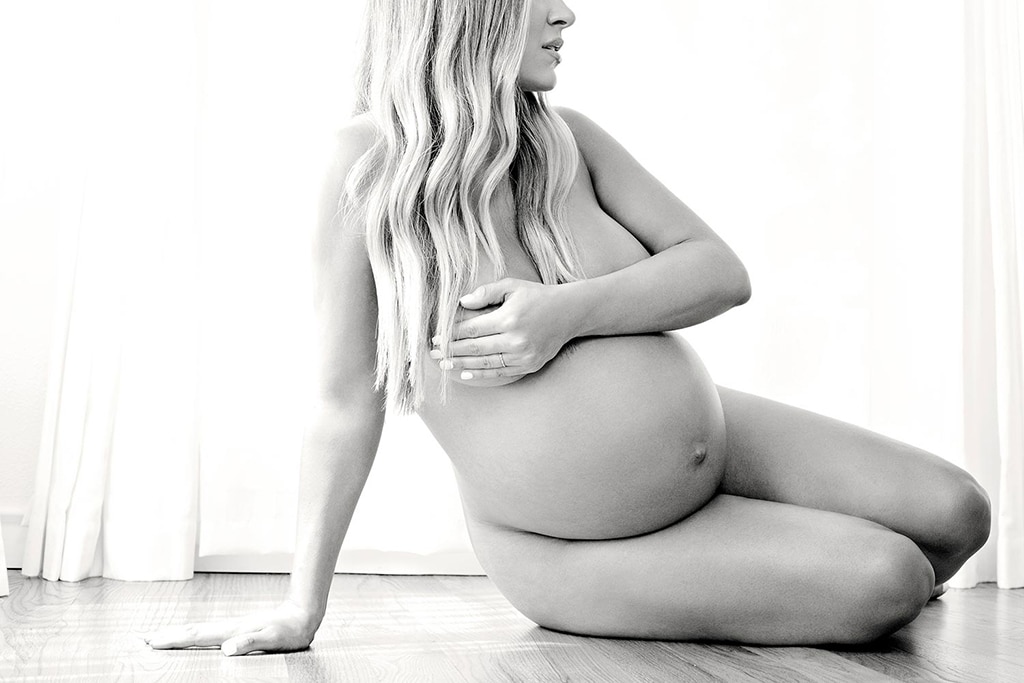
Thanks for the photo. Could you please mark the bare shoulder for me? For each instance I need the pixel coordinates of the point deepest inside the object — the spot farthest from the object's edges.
(357, 134)
(351, 142)
(629, 193)
(339, 243)
(595, 144)
(577, 122)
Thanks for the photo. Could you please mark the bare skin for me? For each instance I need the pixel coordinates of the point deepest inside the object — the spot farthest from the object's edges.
(749, 520)
(615, 436)
(610, 487)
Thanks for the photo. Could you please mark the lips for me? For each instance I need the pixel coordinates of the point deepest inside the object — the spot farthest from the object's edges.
(552, 48)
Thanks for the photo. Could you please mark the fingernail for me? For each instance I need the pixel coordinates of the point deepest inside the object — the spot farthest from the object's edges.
(448, 365)
(436, 354)
(466, 374)
(229, 649)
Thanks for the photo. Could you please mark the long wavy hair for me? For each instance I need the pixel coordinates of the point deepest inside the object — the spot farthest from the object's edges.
(439, 80)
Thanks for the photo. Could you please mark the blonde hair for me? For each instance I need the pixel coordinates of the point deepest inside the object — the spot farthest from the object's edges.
(439, 80)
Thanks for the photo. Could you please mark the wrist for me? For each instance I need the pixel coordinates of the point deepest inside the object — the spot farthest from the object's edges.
(579, 306)
(309, 603)
(309, 616)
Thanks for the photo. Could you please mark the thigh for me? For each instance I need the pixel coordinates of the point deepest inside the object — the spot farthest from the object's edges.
(785, 454)
(738, 569)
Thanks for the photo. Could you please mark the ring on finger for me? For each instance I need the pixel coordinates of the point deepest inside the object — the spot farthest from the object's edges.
(501, 357)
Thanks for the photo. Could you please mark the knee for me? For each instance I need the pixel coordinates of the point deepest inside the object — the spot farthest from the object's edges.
(966, 517)
(894, 582)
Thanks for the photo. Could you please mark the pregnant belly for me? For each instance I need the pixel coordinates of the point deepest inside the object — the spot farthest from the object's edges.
(616, 436)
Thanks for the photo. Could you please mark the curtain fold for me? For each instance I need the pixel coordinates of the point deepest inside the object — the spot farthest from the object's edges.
(994, 280)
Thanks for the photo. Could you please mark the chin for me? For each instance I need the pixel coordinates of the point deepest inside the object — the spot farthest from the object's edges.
(538, 84)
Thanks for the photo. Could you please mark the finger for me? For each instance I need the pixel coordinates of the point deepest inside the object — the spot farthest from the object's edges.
(488, 294)
(479, 346)
(191, 635)
(492, 361)
(249, 642)
(462, 313)
(494, 373)
(480, 326)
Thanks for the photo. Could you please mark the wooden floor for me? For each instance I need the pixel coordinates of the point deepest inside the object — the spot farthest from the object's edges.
(439, 628)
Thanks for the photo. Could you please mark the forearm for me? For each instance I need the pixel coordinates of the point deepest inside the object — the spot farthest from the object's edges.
(676, 288)
(337, 454)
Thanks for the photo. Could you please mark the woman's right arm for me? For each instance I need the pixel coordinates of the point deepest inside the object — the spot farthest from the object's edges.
(348, 414)
(342, 430)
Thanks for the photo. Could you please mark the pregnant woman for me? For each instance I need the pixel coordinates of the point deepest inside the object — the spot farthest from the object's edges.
(509, 272)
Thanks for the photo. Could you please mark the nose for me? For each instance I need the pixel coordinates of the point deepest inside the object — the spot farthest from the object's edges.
(561, 15)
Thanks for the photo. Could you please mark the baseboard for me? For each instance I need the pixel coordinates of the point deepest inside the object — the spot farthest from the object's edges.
(354, 561)
(13, 535)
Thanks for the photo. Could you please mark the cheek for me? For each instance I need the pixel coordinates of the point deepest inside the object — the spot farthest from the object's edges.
(539, 62)
(528, 66)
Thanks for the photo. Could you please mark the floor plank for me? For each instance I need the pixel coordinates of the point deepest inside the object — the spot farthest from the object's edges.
(441, 628)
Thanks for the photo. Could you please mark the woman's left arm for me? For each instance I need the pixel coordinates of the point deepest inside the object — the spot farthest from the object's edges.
(692, 275)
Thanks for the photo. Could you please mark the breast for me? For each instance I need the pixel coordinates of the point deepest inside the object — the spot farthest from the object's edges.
(603, 246)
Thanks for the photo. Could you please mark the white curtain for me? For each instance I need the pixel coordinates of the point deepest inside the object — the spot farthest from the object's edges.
(116, 477)
(823, 139)
(994, 279)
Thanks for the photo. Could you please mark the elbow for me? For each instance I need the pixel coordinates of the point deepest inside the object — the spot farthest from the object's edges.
(741, 286)
(361, 410)
(733, 276)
